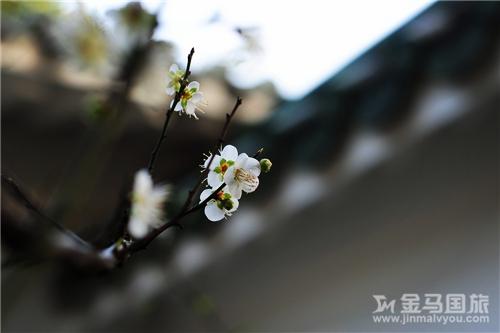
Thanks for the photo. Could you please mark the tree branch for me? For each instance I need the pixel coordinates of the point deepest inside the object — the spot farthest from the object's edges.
(187, 209)
(184, 83)
(17, 192)
(220, 142)
(129, 246)
(144, 242)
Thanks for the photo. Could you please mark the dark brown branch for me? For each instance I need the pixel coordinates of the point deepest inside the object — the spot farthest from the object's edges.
(178, 94)
(187, 208)
(143, 243)
(18, 193)
(220, 142)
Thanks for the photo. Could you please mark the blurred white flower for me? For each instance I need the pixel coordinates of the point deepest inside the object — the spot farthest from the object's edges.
(220, 164)
(84, 40)
(147, 205)
(191, 100)
(174, 79)
(222, 205)
(243, 175)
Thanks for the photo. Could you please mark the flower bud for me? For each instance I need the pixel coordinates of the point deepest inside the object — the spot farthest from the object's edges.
(265, 165)
(228, 204)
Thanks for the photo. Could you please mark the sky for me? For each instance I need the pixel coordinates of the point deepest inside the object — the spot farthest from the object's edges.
(300, 43)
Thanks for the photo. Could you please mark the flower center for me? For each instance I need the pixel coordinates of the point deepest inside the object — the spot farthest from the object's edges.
(186, 95)
(248, 180)
(219, 195)
(223, 200)
(223, 166)
(241, 175)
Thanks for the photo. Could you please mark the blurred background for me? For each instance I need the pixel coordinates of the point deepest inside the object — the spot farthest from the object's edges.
(381, 120)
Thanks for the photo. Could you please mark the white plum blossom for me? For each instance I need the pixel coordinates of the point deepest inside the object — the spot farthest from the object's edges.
(222, 205)
(147, 205)
(191, 100)
(175, 76)
(220, 164)
(243, 175)
(239, 172)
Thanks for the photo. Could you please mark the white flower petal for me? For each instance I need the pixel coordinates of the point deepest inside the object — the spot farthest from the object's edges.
(205, 194)
(142, 182)
(241, 160)
(215, 163)
(173, 68)
(234, 189)
(178, 107)
(159, 195)
(236, 204)
(147, 205)
(196, 98)
(213, 212)
(229, 153)
(170, 90)
(137, 228)
(214, 179)
(229, 175)
(190, 108)
(194, 84)
(250, 185)
(252, 165)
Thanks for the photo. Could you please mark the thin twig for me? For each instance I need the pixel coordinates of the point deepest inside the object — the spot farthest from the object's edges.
(143, 243)
(186, 209)
(163, 134)
(16, 190)
(184, 82)
(220, 142)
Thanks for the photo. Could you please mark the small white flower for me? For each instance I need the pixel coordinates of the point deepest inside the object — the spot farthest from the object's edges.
(175, 76)
(242, 176)
(191, 100)
(220, 164)
(224, 204)
(147, 205)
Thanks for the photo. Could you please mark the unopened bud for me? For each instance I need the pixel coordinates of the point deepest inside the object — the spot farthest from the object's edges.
(228, 204)
(265, 165)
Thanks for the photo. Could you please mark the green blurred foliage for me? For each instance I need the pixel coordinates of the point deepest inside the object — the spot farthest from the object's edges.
(97, 109)
(22, 8)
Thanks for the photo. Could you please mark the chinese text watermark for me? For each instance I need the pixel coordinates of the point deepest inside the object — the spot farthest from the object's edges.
(432, 308)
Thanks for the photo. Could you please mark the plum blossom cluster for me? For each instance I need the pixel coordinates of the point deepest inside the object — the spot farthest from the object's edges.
(191, 98)
(229, 174)
(237, 172)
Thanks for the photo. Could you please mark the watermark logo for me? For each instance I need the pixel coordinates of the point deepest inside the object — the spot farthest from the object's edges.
(432, 308)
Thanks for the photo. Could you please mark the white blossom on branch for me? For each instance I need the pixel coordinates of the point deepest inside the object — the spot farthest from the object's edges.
(174, 79)
(191, 100)
(223, 204)
(147, 205)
